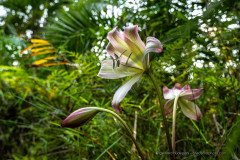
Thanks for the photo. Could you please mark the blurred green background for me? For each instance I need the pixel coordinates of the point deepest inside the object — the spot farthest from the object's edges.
(201, 48)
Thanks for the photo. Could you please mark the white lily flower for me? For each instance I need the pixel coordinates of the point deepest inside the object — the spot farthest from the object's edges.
(184, 96)
(130, 57)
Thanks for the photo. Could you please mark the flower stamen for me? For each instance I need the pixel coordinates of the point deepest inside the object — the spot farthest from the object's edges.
(122, 53)
(117, 59)
(128, 58)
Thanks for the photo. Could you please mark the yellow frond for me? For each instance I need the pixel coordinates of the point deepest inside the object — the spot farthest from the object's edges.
(42, 49)
(41, 61)
(37, 45)
(41, 41)
(54, 64)
(44, 52)
(49, 64)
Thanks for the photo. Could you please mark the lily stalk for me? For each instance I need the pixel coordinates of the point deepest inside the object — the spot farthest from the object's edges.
(174, 125)
(83, 115)
(165, 125)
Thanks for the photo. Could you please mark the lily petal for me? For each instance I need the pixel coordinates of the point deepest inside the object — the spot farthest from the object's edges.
(125, 49)
(168, 109)
(111, 51)
(120, 43)
(110, 70)
(116, 38)
(177, 89)
(123, 90)
(191, 94)
(122, 57)
(132, 34)
(186, 87)
(190, 109)
(168, 93)
(152, 45)
(177, 86)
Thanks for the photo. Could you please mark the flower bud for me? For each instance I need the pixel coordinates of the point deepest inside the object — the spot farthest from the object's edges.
(79, 117)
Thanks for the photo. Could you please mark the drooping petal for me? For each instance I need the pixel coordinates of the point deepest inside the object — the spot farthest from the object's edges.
(111, 70)
(168, 107)
(79, 117)
(152, 45)
(191, 94)
(123, 90)
(132, 34)
(190, 109)
(168, 93)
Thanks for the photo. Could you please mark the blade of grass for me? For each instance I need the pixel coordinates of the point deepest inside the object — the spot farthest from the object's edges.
(106, 150)
(200, 132)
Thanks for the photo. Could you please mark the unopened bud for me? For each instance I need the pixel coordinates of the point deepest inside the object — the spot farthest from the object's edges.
(79, 117)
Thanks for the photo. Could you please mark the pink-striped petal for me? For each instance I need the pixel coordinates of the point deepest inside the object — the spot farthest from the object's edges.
(177, 86)
(186, 87)
(135, 54)
(132, 34)
(168, 93)
(191, 94)
(152, 45)
(116, 38)
(111, 51)
(123, 90)
(190, 109)
(125, 49)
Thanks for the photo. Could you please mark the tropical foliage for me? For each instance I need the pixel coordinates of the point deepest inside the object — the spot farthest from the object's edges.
(52, 51)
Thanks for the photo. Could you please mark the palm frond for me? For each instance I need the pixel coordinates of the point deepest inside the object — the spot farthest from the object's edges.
(76, 29)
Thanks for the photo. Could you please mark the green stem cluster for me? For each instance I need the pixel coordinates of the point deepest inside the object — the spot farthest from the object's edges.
(124, 124)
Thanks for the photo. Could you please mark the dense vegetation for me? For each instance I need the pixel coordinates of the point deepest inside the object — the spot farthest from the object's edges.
(201, 48)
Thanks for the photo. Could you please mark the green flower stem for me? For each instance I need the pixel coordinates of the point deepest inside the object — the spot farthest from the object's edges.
(129, 131)
(174, 125)
(165, 125)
